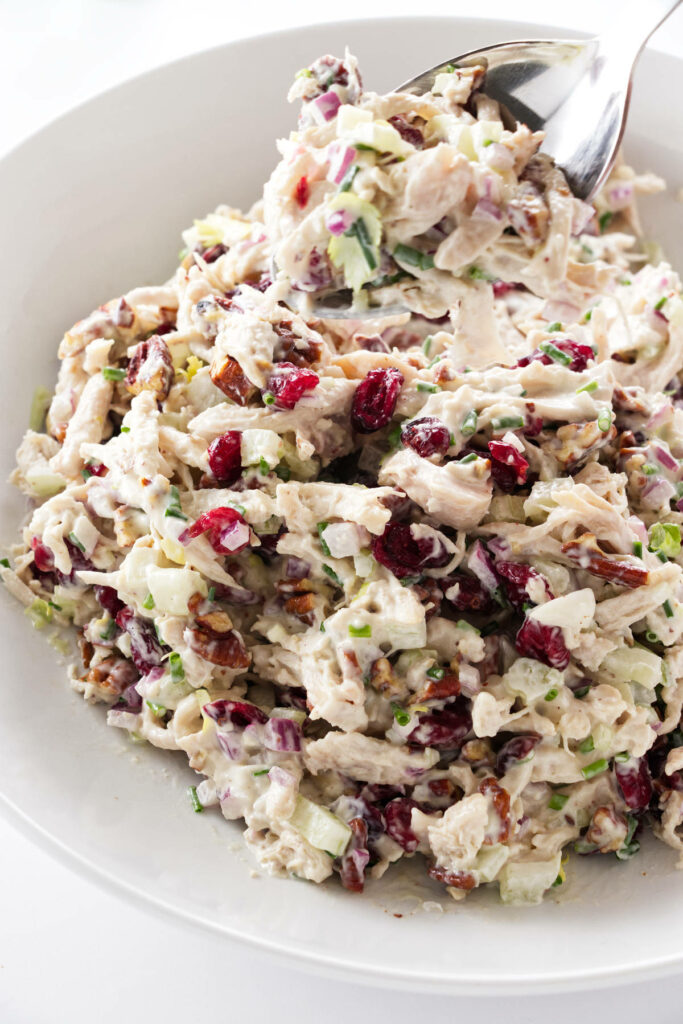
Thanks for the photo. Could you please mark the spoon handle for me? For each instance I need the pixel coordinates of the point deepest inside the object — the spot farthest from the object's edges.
(625, 37)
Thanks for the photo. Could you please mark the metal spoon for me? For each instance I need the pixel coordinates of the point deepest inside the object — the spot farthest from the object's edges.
(577, 91)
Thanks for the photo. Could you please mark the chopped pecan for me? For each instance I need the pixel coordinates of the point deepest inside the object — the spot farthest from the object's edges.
(87, 650)
(150, 369)
(291, 348)
(478, 753)
(122, 315)
(453, 879)
(574, 442)
(608, 830)
(226, 373)
(586, 551)
(438, 689)
(112, 675)
(501, 803)
(225, 649)
(528, 214)
(429, 593)
(382, 677)
(302, 605)
(215, 622)
(58, 431)
(441, 787)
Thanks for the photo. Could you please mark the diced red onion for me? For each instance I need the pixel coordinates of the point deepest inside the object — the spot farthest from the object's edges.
(339, 222)
(297, 568)
(282, 734)
(486, 208)
(235, 536)
(499, 156)
(324, 107)
(235, 595)
(479, 562)
(582, 216)
(657, 492)
(659, 417)
(664, 458)
(470, 681)
(620, 196)
(231, 744)
(341, 158)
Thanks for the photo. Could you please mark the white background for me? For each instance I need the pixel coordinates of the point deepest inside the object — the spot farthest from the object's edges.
(68, 950)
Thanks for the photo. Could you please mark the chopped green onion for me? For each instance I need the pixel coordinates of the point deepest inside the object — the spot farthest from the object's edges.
(651, 637)
(329, 571)
(591, 770)
(413, 257)
(409, 581)
(427, 344)
(556, 326)
(478, 274)
(551, 694)
(462, 624)
(76, 542)
(173, 508)
(57, 607)
(176, 665)
(558, 881)
(604, 420)
(212, 593)
(604, 219)
(264, 466)
(470, 457)
(157, 709)
(435, 672)
(581, 692)
(400, 714)
(487, 142)
(323, 543)
(197, 805)
(347, 180)
(556, 354)
(359, 231)
(113, 373)
(469, 424)
(125, 430)
(658, 305)
(86, 474)
(109, 630)
(622, 757)
(148, 603)
(450, 68)
(587, 745)
(648, 469)
(638, 549)
(557, 801)
(665, 538)
(625, 281)
(668, 610)
(588, 315)
(284, 473)
(507, 422)
(322, 627)
(4, 562)
(592, 385)
(662, 557)
(360, 631)
(261, 771)
(424, 386)
(268, 398)
(629, 847)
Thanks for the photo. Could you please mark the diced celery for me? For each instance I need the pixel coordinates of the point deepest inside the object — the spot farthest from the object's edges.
(39, 613)
(490, 860)
(634, 664)
(357, 251)
(320, 827)
(172, 589)
(531, 680)
(39, 406)
(261, 444)
(524, 882)
(42, 482)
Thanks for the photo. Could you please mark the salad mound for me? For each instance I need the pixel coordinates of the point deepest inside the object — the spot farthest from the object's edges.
(400, 585)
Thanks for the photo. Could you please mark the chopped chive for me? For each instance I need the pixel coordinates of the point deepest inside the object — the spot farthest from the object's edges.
(551, 694)
(622, 757)
(176, 664)
(662, 557)
(424, 386)
(558, 881)
(109, 630)
(261, 771)
(658, 305)
(648, 469)
(587, 745)
(263, 466)
(125, 430)
(268, 398)
(604, 420)
(157, 709)
(4, 562)
(400, 714)
(591, 770)
(588, 315)
(450, 68)
(173, 508)
(57, 607)
(487, 142)
(604, 219)
(212, 593)
(329, 571)
(148, 603)
(284, 473)
(323, 543)
(592, 385)
(581, 692)
(322, 627)
(477, 274)
(113, 373)
(360, 631)
(469, 424)
(507, 422)
(347, 180)
(668, 610)
(651, 637)
(554, 353)
(86, 474)
(638, 548)
(197, 805)
(435, 672)
(470, 457)
(76, 542)
(359, 231)
(557, 801)
(555, 326)
(413, 257)
(427, 344)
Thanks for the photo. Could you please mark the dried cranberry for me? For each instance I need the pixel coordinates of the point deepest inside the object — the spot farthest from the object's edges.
(509, 468)
(515, 750)
(109, 600)
(545, 643)
(288, 383)
(378, 792)
(225, 457)
(426, 436)
(302, 191)
(42, 555)
(405, 555)
(445, 729)
(580, 354)
(407, 131)
(516, 577)
(635, 782)
(150, 369)
(145, 649)
(227, 529)
(238, 712)
(501, 288)
(397, 816)
(375, 400)
(211, 254)
(533, 424)
(470, 596)
(355, 860)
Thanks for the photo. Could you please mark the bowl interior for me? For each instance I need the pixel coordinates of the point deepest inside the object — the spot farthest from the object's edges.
(93, 205)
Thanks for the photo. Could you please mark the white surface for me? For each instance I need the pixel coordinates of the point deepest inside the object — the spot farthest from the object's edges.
(86, 945)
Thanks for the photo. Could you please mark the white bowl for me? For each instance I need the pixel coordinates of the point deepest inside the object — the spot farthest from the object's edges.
(93, 205)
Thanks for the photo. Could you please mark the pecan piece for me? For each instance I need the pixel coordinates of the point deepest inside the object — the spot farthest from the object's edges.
(382, 677)
(455, 879)
(438, 689)
(112, 675)
(586, 551)
(574, 442)
(226, 373)
(608, 830)
(501, 804)
(226, 649)
(291, 348)
(150, 369)
(302, 605)
(528, 214)
(215, 622)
